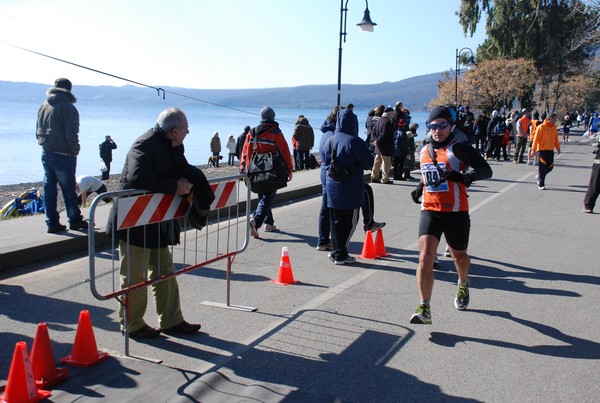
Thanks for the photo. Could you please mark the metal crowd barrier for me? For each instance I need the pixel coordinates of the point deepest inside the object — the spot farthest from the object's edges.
(225, 235)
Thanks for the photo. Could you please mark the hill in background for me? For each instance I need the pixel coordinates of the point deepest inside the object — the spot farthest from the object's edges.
(414, 92)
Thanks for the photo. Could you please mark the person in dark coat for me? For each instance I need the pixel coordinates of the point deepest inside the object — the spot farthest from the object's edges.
(346, 197)
(57, 132)
(240, 143)
(383, 139)
(106, 148)
(154, 162)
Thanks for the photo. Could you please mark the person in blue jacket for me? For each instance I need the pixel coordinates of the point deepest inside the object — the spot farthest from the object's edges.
(345, 197)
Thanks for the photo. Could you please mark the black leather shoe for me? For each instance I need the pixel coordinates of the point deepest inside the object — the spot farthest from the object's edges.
(79, 225)
(183, 328)
(53, 229)
(145, 332)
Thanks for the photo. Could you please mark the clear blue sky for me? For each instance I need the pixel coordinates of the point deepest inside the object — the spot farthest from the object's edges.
(228, 43)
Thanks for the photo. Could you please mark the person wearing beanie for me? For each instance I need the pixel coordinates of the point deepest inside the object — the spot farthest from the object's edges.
(269, 139)
(494, 134)
(57, 132)
(215, 148)
(545, 141)
(448, 168)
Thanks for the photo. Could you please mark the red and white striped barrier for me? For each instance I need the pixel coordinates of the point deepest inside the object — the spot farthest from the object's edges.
(156, 207)
(148, 209)
(225, 194)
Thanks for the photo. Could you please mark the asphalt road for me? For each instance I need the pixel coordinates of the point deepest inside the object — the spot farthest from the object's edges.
(531, 332)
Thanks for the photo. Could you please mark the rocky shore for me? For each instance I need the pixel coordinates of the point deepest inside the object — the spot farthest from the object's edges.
(9, 192)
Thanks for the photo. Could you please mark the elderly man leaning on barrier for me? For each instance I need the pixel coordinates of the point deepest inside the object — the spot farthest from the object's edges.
(156, 163)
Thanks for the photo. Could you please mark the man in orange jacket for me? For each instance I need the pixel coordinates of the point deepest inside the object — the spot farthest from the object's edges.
(544, 142)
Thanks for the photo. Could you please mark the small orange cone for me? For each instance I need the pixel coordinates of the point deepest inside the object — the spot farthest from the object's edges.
(85, 352)
(285, 275)
(368, 251)
(380, 244)
(21, 384)
(43, 364)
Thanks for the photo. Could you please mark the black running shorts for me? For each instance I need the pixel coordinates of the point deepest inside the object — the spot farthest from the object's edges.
(454, 225)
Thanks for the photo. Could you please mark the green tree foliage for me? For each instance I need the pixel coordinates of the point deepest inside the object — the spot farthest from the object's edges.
(561, 37)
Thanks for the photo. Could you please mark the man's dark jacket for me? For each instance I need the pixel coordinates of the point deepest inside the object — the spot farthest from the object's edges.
(153, 164)
(384, 134)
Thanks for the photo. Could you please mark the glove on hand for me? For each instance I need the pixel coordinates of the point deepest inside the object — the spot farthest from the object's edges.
(459, 177)
(417, 193)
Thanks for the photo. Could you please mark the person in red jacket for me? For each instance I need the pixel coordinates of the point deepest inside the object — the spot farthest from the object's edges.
(269, 138)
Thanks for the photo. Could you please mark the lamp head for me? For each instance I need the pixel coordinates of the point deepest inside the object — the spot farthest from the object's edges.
(366, 25)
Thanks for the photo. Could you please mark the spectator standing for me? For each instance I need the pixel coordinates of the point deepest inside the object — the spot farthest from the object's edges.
(544, 143)
(522, 136)
(305, 141)
(369, 127)
(344, 198)
(400, 152)
(481, 125)
(383, 137)
(593, 190)
(154, 162)
(240, 143)
(409, 163)
(215, 146)
(269, 138)
(495, 132)
(445, 208)
(106, 148)
(231, 147)
(57, 132)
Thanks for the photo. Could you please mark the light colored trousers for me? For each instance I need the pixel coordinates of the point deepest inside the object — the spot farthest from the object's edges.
(135, 262)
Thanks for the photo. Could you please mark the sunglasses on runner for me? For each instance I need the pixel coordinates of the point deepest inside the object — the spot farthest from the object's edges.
(434, 126)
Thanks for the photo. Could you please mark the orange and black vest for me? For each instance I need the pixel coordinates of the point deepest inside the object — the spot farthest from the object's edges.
(448, 196)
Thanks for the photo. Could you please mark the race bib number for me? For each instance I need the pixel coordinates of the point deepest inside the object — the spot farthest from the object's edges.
(431, 174)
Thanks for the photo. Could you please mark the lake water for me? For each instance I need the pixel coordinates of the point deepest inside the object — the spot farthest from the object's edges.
(20, 154)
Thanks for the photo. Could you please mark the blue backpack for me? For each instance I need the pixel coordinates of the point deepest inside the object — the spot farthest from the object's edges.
(500, 128)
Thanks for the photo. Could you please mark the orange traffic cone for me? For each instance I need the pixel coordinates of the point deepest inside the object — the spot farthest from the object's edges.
(85, 352)
(43, 364)
(21, 384)
(368, 251)
(285, 275)
(380, 244)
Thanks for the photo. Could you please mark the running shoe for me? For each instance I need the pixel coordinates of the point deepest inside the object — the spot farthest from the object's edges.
(436, 263)
(325, 247)
(348, 260)
(447, 252)
(461, 301)
(422, 316)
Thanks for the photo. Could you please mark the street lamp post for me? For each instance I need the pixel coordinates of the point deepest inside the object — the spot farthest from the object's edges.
(366, 25)
(470, 65)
